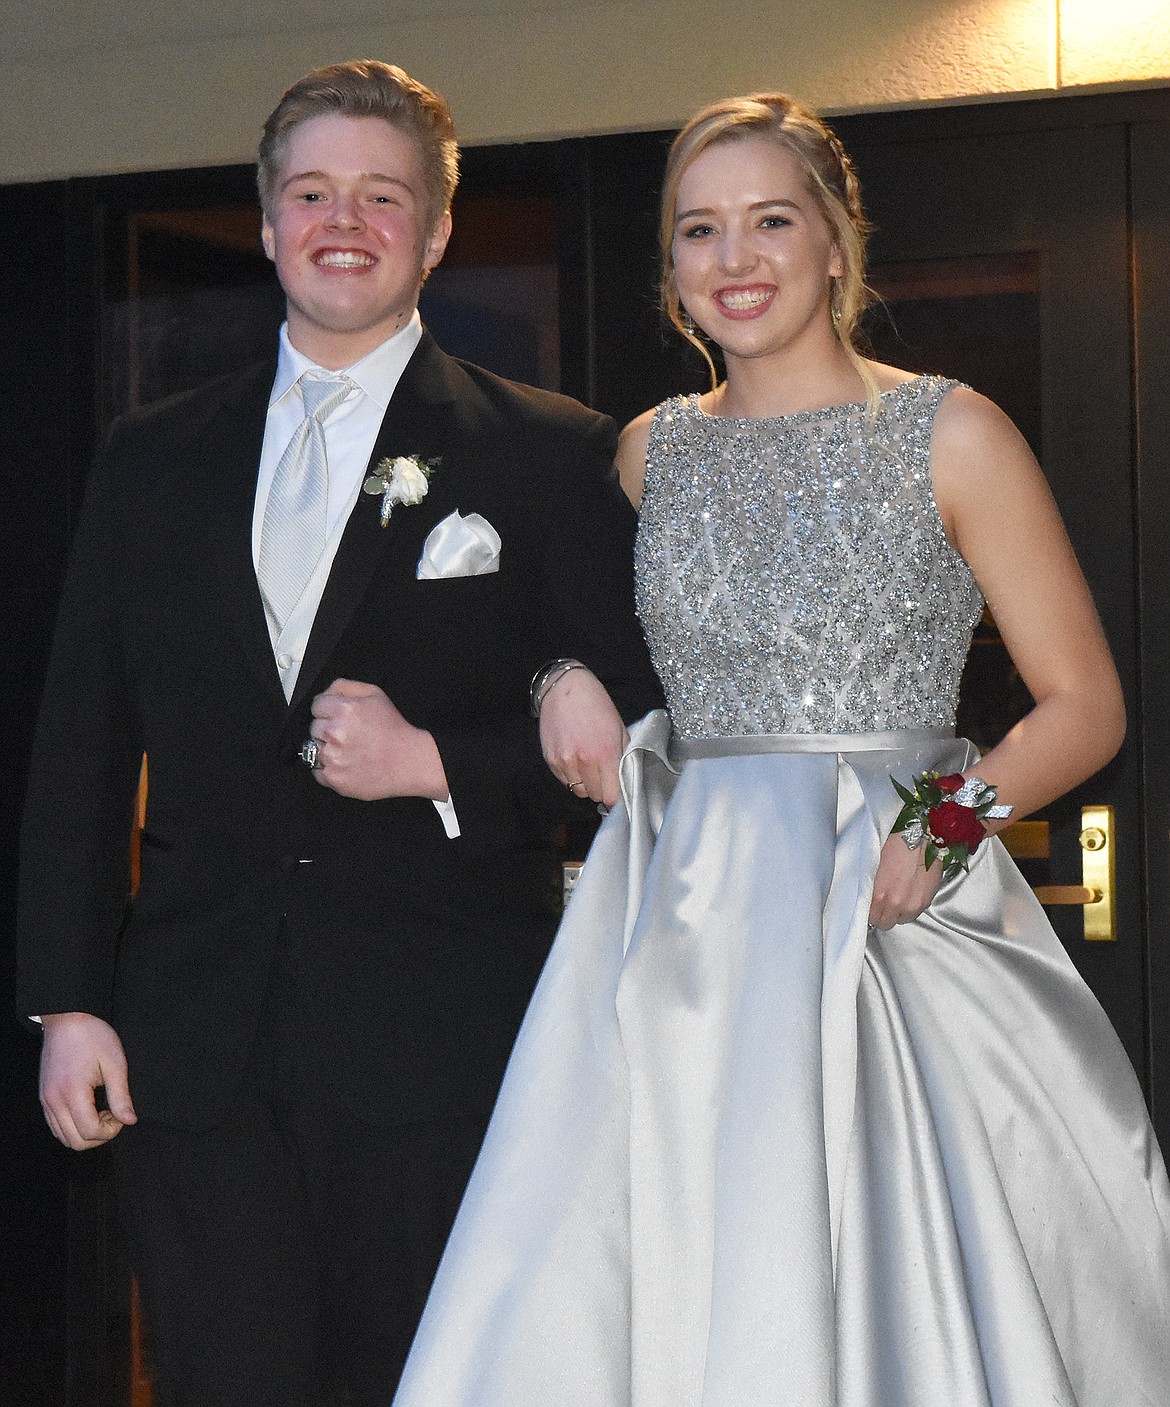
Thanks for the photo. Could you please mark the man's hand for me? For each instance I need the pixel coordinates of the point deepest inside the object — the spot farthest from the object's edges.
(903, 886)
(583, 737)
(81, 1053)
(369, 751)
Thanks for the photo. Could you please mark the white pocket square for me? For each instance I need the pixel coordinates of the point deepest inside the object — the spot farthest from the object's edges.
(460, 547)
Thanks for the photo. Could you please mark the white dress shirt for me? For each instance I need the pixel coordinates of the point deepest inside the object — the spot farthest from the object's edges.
(350, 432)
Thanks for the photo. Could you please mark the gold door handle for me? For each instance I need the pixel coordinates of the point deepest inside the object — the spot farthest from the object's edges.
(1029, 840)
(1052, 894)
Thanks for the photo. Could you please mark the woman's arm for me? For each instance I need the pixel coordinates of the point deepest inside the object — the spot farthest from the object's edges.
(631, 456)
(999, 513)
(578, 706)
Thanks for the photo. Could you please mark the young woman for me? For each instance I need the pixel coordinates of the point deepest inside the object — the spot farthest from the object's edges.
(811, 1108)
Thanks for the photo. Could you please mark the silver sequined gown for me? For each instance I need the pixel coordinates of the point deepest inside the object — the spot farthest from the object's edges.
(748, 1152)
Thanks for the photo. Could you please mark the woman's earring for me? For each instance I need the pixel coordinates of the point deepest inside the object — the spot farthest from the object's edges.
(688, 323)
(835, 301)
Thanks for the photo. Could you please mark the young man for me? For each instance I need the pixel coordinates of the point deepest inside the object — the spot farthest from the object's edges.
(300, 1026)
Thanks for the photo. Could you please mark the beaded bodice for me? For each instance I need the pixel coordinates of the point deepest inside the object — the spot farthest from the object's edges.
(793, 574)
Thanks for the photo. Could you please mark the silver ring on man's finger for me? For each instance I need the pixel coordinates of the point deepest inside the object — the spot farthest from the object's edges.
(310, 754)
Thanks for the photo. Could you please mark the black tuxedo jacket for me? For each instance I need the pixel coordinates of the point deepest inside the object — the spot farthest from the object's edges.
(422, 951)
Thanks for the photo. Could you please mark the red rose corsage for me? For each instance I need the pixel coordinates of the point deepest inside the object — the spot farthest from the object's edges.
(947, 813)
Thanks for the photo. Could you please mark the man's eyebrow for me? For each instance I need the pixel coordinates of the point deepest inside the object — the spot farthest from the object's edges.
(362, 175)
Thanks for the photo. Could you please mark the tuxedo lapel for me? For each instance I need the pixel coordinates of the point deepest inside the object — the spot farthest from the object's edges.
(233, 442)
(417, 421)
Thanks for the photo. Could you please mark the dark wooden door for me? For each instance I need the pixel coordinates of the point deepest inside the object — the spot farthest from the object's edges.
(1004, 260)
(1150, 197)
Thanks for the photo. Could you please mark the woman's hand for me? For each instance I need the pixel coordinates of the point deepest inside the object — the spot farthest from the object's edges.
(903, 886)
(583, 737)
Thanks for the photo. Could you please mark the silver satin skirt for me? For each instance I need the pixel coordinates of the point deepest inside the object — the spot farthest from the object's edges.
(751, 1153)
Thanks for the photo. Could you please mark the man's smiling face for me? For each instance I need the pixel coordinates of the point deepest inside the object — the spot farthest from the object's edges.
(350, 234)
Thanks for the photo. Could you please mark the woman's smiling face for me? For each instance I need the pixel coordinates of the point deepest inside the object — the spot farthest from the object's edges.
(753, 255)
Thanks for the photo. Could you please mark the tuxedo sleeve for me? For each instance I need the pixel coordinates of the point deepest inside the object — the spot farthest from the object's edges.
(86, 758)
(577, 555)
(584, 547)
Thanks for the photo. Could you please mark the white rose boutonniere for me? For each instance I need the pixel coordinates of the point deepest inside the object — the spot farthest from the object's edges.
(403, 480)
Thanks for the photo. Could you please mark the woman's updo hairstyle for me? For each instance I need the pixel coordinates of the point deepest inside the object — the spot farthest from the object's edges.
(832, 183)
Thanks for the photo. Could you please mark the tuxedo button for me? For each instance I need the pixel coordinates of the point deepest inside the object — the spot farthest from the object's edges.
(284, 662)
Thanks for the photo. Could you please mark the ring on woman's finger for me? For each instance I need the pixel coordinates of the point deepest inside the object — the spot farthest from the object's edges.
(574, 785)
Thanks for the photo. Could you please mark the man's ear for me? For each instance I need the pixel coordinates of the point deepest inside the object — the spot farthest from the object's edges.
(436, 242)
(268, 240)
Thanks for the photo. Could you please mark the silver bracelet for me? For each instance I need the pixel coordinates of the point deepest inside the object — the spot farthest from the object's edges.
(546, 678)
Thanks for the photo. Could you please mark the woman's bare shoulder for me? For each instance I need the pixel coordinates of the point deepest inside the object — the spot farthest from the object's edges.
(971, 430)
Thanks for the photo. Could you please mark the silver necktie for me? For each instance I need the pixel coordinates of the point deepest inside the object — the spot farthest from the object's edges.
(292, 536)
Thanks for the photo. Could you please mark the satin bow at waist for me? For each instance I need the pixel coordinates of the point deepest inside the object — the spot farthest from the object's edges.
(756, 744)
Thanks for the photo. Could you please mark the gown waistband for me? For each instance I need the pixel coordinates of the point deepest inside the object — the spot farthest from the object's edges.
(756, 744)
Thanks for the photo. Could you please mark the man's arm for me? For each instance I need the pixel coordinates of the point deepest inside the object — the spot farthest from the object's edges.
(590, 584)
(586, 536)
(576, 584)
(75, 840)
